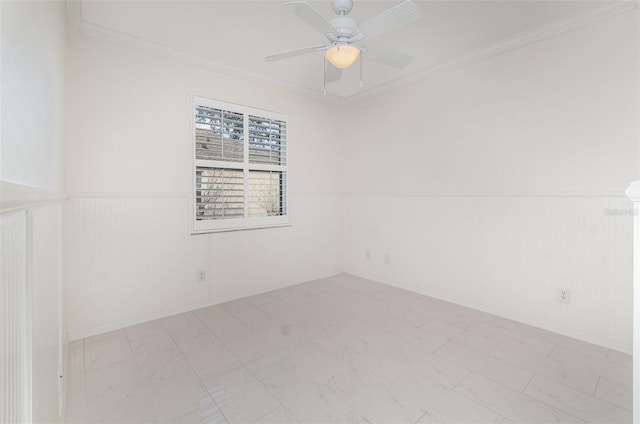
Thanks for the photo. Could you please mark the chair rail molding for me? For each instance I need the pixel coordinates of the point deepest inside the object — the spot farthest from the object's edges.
(633, 193)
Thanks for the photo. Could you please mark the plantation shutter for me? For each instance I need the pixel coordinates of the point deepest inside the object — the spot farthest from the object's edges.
(240, 167)
(266, 193)
(219, 134)
(267, 141)
(219, 193)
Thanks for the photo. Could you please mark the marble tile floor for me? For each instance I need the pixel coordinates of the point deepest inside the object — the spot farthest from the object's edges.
(343, 350)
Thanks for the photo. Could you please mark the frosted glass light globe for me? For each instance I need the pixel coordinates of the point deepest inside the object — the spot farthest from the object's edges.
(342, 55)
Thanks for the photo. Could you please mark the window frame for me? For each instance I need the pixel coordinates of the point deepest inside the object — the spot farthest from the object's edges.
(246, 222)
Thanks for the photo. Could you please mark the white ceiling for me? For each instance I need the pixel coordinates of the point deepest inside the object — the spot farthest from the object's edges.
(237, 34)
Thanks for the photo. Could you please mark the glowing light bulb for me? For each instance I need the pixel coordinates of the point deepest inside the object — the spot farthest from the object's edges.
(342, 55)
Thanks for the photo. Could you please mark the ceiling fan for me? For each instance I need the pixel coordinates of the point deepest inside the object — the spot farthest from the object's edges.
(346, 37)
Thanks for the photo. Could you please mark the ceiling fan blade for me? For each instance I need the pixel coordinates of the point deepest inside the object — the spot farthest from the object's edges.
(357, 37)
(394, 18)
(386, 56)
(291, 53)
(304, 11)
(332, 74)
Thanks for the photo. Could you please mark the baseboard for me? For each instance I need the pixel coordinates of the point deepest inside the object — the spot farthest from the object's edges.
(520, 318)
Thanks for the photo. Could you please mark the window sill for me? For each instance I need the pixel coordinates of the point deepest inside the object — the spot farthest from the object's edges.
(240, 227)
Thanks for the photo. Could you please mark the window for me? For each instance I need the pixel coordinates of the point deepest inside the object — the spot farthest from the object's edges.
(240, 167)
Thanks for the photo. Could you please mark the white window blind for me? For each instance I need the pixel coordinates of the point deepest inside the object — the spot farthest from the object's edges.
(219, 134)
(266, 193)
(240, 167)
(219, 193)
(267, 141)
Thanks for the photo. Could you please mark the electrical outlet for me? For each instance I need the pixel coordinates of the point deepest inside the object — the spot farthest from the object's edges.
(367, 255)
(387, 258)
(564, 295)
(202, 276)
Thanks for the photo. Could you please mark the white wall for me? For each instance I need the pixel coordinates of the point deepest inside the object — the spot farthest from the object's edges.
(131, 257)
(31, 189)
(33, 59)
(491, 185)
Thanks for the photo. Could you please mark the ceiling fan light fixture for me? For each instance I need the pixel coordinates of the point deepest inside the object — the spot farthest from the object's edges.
(342, 55)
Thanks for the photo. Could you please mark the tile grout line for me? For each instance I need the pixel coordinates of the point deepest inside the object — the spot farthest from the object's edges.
(191, 366)
(272, 395)
(551, 351)
(524, 389)
(557, 408)
(533, 373)
(521, 393)
(421, 417)
(475, 400)
(132, 351)
(494, 350)
(243, 366)
(581, 392)
(595, 388)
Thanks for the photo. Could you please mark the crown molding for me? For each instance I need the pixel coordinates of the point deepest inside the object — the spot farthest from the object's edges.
(511, 43)
(77, 24)
(129, 40)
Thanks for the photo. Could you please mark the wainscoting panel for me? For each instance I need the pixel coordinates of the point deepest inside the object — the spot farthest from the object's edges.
(504, 254)
(49, 327)
(531, 248)
(33, 331)
(129, 258)
(132, 258)
(15, 340)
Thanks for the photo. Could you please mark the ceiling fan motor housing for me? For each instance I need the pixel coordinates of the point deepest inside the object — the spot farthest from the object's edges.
(345, 27)
(342, 7)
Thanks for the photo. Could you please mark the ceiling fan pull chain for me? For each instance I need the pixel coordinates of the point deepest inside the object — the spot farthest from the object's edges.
(360, 69)
(324, 75)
